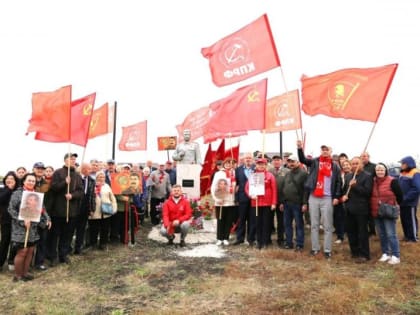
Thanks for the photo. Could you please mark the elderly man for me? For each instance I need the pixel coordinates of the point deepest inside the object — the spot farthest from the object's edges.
(324, 185)
(187, 152)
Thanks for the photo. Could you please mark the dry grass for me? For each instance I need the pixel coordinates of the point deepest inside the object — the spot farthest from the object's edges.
(150, 279)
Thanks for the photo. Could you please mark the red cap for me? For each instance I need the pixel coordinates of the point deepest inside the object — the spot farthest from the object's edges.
(261, 160)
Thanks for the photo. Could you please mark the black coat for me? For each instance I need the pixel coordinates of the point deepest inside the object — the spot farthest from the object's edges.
(359, 195)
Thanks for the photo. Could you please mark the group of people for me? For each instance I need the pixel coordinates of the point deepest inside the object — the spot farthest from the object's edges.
(252, 198)
(71, 204)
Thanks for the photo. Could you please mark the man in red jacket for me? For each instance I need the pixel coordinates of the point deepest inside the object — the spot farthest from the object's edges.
(176, 214)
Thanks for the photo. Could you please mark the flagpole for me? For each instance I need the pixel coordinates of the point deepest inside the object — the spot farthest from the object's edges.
(114, 128)
(364, 150)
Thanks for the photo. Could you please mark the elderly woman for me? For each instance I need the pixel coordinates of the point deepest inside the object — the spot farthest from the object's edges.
(99, 222)
(20, 228)
(386, 189)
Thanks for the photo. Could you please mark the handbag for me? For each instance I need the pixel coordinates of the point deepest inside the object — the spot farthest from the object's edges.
(106, 208)
(388, 211)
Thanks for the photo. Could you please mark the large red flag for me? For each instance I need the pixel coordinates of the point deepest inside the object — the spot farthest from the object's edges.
(232, 152)
(357, 93)
(206, 172)
(282, 112)
(195, 122)
(99, 122)
(134, 137)
(51, 113)
(243, 54)
(239, 112)
(210, 137)
(81, 114)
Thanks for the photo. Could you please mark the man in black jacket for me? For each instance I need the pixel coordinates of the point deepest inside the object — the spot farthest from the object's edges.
(67, 191)
(358, 187)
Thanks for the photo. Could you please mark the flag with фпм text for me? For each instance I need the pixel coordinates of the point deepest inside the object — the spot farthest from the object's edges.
(51, 113)
(81, 114)
(282, 112)
(134, 137)
(356, 93)
(243, 54)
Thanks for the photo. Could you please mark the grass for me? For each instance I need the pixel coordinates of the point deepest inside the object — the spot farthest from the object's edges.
(151, 279)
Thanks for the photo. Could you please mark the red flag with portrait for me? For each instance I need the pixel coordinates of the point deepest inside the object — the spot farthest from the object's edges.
(99, 122)
(357, 93)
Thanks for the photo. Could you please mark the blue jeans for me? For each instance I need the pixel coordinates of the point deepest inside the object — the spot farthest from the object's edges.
(293, 211)
(388, 236)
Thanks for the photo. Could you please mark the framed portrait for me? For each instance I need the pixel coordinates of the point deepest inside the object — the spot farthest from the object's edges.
(31, 206)
(256, 184)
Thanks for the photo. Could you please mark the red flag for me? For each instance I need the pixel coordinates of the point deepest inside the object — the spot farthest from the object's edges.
(134, 137)
(357, 93)
(206, 172)
(282, 112)
(218, 155)
(195, 122)
(51, 113)
(232, 152)
(243, 54)
(99, 122)
(219, 135)
(81, 114)
(241, 111)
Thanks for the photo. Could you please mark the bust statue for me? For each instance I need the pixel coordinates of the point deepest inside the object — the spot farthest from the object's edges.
(187, 152)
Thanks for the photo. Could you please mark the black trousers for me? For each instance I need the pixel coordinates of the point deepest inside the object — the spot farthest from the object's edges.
(60, 237)
(99, 227)
(41, 247)
(357, 232)
(264, 225)
(6, 250)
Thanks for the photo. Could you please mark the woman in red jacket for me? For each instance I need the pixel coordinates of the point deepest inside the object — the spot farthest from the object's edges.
(262, 189)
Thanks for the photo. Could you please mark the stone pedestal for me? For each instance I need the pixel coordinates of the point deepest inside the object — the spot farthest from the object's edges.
(188, 176)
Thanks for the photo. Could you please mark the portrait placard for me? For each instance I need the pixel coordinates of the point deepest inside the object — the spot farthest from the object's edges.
(167, 143)
(31, 206)
(256, 184)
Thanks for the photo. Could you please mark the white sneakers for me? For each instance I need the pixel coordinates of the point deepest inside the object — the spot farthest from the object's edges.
(392, 260)
(225, 242)
(338, 241)
(219, 242)
(384, 258)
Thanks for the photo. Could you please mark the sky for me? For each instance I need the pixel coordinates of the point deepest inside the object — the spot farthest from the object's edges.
(146, 56)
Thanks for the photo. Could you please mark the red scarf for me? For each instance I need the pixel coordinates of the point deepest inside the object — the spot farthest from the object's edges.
(98, 188)
(161, 176)
(324, 169)
(28, 189)
(231, 175)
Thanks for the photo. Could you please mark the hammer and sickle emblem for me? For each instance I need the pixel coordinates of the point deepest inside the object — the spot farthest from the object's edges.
(253, 96)
(94, 122)
(87, 109)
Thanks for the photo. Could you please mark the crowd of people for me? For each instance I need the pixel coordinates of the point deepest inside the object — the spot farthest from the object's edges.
(253, 198)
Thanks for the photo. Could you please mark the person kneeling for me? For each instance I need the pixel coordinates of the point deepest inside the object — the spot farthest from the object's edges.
(176, 214)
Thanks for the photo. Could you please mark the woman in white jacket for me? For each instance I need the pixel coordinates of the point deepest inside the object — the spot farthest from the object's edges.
(99, 223)
(223, 192)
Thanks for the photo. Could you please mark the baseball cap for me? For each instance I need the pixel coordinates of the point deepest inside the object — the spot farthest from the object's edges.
(276, 157)
(261, 161)
(110, 161)
(168, 162)
(293, 158)
(325, 147)
(126, 166)
(39, 165)
(67, 155)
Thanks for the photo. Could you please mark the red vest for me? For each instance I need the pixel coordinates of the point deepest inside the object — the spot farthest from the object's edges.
(381, 192)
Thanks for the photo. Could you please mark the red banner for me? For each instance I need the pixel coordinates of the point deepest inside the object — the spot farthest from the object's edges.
(282, 112)
(243, 54)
